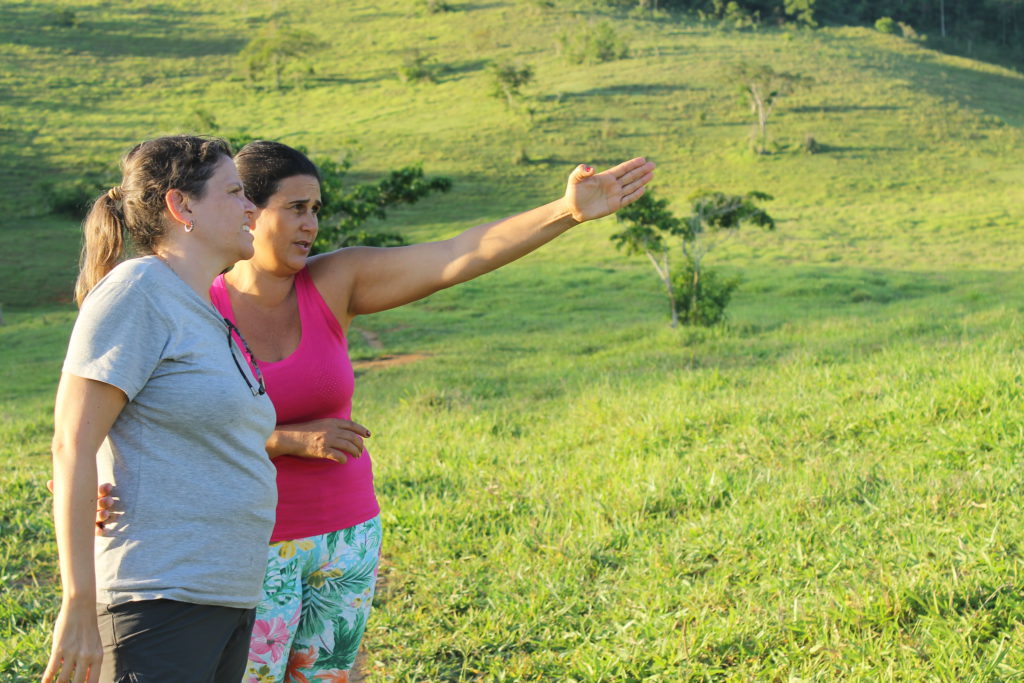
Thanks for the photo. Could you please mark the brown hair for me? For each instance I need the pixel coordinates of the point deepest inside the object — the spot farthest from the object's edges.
(134, 210)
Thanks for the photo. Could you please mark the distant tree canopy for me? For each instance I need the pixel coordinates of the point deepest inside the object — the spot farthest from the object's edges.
(998, 21)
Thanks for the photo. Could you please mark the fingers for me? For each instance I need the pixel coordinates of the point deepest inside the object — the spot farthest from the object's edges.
(355, 427)
(349, 443)
(51, 666)
(626, 166)
(633, 196)
(635, 174)
(637, 182)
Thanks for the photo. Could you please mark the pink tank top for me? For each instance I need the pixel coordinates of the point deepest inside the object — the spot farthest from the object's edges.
(316, 381)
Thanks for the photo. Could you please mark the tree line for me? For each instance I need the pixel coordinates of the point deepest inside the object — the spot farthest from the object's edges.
(997, 21)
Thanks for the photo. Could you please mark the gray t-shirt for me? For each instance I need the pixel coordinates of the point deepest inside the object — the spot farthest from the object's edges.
(196, 490)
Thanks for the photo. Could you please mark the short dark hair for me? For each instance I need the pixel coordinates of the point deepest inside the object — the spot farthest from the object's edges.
(263, 164)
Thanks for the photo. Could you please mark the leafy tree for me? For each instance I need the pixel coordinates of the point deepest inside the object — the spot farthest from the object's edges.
(508, 79)
(593, 44)
(802, 11)
(696, 295)
(346, 209)
(650, 224)
(763, 87)
(276, 49)
(717, 217)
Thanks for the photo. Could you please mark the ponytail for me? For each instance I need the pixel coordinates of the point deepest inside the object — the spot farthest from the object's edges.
(133, 212)
(104, 230)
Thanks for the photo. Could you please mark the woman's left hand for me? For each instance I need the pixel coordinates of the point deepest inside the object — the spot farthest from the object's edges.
(589, 195)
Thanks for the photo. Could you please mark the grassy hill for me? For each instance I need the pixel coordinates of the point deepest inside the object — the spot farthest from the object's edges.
(827, 487)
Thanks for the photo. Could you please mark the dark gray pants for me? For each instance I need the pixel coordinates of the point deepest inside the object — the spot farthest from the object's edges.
(165, 641)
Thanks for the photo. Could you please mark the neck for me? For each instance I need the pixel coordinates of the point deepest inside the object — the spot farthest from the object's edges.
(197, 273)
(260, 286)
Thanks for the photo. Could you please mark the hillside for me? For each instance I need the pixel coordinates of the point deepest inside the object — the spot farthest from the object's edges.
(828, 486)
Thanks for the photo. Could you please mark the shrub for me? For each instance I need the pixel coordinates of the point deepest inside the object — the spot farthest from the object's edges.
(705, 306)
(435, 6)
(594, 44)
(71, 197)
(419, 67)
(909, 33)
(811, 145)
(508, 79)
(886, 25)
(64, 18)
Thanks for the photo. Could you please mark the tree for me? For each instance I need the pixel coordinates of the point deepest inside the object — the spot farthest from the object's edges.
(274, 49)
(718, 217)
(696, 295)
(650, 223)
(763, 86)
(508, 79)
(345, 210)
(802, 11)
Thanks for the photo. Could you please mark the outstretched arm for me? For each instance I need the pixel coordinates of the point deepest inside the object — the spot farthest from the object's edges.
(361, 280)
(85, 411)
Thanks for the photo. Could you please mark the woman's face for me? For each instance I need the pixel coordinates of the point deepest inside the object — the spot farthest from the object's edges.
(224, 214)
(286, 227)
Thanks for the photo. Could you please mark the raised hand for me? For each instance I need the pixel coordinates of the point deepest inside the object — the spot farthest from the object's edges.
(591, 195)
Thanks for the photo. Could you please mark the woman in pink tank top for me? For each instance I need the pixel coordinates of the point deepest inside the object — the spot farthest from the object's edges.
(294, 311)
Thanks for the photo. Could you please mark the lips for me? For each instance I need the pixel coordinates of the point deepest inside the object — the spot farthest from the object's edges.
(303, 243)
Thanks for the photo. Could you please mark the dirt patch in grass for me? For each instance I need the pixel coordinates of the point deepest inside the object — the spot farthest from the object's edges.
(388, 361)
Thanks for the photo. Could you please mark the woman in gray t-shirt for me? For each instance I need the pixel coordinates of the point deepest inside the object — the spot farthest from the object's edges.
(154, 395)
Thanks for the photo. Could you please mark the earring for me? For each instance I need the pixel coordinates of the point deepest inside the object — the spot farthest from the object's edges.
(190, 226)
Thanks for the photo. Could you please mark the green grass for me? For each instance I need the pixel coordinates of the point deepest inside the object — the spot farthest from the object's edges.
(827, 487)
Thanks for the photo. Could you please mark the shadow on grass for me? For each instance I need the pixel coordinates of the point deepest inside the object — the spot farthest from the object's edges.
(115, 30)
(996, 94)
(632, 89)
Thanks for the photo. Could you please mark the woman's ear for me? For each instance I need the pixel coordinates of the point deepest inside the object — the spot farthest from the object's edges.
(176, 202)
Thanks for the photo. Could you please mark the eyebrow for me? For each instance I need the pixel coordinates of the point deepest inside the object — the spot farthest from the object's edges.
(296, 202)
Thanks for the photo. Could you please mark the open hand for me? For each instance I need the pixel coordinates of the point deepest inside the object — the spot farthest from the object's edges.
(591, 196)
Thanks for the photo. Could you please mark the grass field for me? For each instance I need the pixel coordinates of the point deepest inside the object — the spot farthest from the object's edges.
(828, 487)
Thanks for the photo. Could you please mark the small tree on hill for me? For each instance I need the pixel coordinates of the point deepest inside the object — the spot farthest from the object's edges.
(763, 87)
(717, 217)
(697, 295)
(274, 50)
(650, 224)
(508, 80)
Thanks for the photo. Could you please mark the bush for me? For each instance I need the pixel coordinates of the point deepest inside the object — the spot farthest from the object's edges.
(64, 18)
(419, 67)
(508, 79)
(595, 44)
(811, 145)
(435, 6)
(909, 33)
(72, 197)
(886, 25)
(714, 291)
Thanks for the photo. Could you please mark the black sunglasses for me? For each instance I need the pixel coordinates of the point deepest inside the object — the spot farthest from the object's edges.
(261, 388)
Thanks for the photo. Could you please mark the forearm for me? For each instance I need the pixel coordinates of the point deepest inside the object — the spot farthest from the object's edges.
(490, 246)
(74, 509)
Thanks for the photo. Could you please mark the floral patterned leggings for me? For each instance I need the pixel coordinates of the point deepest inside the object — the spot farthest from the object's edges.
(316, 599)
